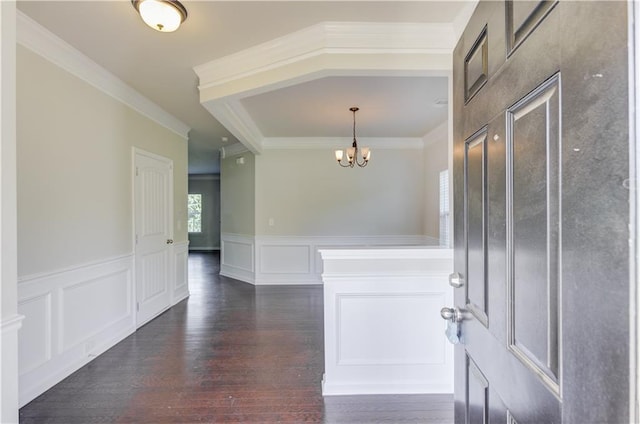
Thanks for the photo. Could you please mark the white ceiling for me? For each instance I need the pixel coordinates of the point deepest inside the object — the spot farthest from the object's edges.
(160, 65)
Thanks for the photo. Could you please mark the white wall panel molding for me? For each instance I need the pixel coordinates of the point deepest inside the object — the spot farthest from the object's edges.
(35, 37)
(383, 331)
(71, 316)
(296, 259)
(181, 280)
(237, 257)
(322, 143)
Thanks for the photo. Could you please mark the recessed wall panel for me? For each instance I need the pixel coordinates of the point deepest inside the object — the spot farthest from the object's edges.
(534, 219)
(380, 329)
(91, 306)
(34, 341)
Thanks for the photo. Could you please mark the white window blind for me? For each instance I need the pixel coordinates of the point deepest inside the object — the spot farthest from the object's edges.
(445, 233)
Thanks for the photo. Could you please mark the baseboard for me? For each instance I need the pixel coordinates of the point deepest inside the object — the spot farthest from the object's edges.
(237, 274)
(31, 388)
(329, 389)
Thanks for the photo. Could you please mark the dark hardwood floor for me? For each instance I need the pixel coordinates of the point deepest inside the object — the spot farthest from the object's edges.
(232, 352)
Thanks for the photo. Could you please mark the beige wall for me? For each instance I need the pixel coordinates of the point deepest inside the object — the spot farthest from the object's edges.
(306, 193)
(237, 194)
(75, 169)
(436, 160)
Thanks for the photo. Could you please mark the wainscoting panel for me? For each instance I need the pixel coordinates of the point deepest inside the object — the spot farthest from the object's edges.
(37, 313)
(181, 282)
(382, 327)
(237, 258)
(71, 316)
(380, 342)
(89, 307)
(296, 259)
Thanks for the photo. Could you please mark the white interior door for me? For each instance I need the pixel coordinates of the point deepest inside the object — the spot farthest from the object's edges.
(153, 233)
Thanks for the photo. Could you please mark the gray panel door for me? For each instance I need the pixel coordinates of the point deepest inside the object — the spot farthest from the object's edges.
(541, 152)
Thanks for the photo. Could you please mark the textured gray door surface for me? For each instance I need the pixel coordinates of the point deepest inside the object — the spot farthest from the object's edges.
(541, 152)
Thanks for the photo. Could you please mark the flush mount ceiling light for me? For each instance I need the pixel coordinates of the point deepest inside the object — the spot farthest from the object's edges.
(161, 15)
(352, 152)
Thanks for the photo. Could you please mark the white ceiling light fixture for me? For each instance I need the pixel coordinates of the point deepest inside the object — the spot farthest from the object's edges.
(161, 15)
(352, 152)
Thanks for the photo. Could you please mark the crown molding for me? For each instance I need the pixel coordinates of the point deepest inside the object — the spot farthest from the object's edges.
(235, 118)
(329, 38)
(43, 42)
(232, 150)
(332, 143)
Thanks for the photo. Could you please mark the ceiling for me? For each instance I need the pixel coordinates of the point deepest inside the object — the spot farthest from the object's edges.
(161, 66)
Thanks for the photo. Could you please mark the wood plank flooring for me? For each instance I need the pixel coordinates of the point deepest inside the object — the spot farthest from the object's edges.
(231, 353)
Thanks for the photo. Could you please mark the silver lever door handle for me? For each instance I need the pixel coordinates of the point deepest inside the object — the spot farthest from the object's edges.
(169, 241)
(451, 314)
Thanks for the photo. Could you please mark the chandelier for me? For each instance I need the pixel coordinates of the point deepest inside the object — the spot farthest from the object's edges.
(352, 152)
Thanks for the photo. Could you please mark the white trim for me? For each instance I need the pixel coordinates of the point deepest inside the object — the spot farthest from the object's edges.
(180, 281)
(41, 41)
(30, 278)
(233, 116)
(12, 323)
(330, 143)
(328, 37)
(232, 150)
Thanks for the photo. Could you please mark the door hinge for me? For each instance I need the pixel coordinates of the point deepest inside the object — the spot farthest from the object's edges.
(136, 171)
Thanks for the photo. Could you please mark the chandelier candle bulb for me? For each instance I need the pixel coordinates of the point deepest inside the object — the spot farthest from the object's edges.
(366, 153)
(339, 155)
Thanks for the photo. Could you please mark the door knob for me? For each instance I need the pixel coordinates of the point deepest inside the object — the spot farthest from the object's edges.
(451, 314)
(456, 280)
(169, 241)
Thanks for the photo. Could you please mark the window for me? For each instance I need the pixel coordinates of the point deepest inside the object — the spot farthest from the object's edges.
(445, 232)
(194, 213)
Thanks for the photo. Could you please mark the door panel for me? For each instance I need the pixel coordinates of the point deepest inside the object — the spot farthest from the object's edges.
(541, 214)
(475, 214)
(533, 146)
(153, 228)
